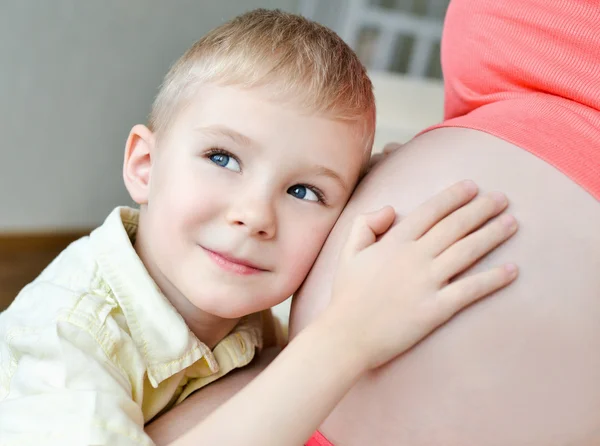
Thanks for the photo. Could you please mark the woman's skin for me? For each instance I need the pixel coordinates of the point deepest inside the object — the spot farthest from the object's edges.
(519, 368)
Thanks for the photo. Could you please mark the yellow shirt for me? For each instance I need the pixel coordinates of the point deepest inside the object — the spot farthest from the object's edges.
(92, 350)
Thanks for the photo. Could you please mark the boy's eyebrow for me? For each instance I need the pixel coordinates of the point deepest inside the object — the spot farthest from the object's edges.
(220, 130)
(238, 138)
(325, 171)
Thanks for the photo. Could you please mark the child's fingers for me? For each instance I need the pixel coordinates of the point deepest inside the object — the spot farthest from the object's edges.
(366, 228)
(375, 159)
(462, 222)
(462, 293)
(467, 251)
(433, 210)
(390, 147)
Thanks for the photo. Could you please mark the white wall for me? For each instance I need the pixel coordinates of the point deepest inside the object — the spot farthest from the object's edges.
(74, 77)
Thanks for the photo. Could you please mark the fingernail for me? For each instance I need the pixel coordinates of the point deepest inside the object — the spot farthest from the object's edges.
(470, 186)
(509, 221)
(511, 269)
(499, 197)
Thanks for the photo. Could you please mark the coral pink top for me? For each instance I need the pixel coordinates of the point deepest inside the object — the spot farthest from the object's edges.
(528, 72)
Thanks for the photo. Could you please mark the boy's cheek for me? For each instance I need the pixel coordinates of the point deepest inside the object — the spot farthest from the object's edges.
(301, 256)
(187, 203)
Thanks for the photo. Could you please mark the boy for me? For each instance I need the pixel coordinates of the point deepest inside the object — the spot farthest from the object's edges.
(255, 143)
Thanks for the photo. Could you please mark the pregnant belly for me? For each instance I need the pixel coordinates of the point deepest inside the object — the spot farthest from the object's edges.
(519, 368)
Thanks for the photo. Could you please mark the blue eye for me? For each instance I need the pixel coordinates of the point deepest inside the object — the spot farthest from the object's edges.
(226, 161)
(303, 193)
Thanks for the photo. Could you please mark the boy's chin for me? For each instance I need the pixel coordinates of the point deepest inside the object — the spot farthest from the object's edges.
(228, 307)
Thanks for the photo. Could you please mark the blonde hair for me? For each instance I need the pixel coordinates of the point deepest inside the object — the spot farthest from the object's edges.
(293, 58)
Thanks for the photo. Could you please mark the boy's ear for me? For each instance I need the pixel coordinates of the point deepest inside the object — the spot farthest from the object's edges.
(137, 163)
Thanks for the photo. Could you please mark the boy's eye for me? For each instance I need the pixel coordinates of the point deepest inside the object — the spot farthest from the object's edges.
(226, 161)
(303, 193)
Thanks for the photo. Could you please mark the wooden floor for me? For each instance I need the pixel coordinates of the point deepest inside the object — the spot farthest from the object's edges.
(24, 256)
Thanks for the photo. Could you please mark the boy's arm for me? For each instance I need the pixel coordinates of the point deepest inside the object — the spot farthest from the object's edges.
(288, 401)
(177, 421)
(403, 282)
(58, 385)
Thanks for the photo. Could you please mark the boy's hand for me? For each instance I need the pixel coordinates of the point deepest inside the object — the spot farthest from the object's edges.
(391, 293)
(388, 294)
(377, 157)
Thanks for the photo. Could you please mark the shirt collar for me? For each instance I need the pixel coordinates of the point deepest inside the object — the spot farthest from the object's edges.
(158, 330)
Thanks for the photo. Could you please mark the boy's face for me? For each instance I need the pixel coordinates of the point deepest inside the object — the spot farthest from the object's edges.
(242, 193)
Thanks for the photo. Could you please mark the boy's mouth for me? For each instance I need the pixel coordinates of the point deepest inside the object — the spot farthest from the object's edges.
(234, 264)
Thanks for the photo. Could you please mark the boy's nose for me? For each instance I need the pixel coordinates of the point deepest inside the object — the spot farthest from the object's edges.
(256, 217)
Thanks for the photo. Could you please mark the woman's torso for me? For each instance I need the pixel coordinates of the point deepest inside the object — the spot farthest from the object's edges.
(520, 368)
(522, 81)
